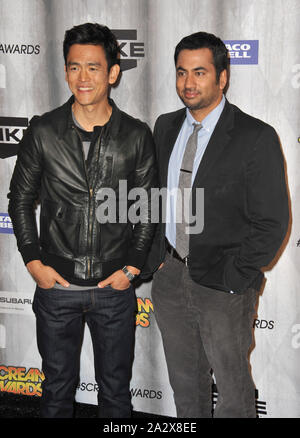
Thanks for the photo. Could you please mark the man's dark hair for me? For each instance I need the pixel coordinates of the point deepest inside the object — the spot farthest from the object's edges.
(201, 40)
(95, 34)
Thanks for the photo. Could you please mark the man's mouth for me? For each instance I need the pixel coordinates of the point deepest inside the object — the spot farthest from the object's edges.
(84, 89)
(188, 94)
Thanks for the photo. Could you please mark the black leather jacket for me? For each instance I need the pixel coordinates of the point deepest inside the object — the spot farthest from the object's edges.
(51, 168)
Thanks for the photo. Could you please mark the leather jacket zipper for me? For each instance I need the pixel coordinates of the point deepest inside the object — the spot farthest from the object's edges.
(91, 192)
(90, 230)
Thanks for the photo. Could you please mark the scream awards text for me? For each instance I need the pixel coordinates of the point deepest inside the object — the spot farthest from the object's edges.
(17, 380)
(144, 309)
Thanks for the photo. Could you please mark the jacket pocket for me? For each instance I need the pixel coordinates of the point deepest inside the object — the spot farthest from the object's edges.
(60, 228)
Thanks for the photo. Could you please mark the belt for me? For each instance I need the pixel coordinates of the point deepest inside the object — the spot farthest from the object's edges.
(172, 251)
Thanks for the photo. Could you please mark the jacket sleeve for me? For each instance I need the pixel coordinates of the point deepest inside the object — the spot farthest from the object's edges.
(267, 206)
(23, 195)
(157, 249)
(146, 179)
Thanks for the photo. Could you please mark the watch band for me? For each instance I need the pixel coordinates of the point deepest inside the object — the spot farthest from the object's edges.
(128, 274)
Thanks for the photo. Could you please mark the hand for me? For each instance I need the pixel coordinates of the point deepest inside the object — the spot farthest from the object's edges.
(118, 279)
(160, 266)
(45, 276)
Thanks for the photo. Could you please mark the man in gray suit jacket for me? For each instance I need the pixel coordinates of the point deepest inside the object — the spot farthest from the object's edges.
(206, 282)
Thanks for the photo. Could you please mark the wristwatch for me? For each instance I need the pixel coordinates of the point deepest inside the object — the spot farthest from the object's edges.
(128, 274)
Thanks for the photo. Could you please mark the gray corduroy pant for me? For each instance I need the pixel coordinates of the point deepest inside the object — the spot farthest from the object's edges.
(205, 330)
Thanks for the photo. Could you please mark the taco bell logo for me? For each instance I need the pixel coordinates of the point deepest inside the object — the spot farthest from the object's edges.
(242, 51)
(6, 226)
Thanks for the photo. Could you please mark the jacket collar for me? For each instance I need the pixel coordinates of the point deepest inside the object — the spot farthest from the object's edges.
(66, 121)
(219, 140)
(226, 117)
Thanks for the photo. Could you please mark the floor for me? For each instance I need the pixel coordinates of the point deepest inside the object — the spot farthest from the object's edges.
(18, 406)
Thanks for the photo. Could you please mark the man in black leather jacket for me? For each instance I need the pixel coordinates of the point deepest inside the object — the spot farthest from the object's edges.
(83, 264)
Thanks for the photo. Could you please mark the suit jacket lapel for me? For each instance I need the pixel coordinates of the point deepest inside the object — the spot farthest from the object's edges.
(171, 135)
(217, 143)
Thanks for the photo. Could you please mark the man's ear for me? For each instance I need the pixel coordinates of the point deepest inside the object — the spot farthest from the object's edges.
(223, 79)
(114, 74)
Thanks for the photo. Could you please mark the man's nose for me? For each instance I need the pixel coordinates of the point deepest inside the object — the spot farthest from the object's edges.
(83, 75)
(189, 81)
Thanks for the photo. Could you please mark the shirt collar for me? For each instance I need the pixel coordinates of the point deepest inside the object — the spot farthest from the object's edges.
(210, 121)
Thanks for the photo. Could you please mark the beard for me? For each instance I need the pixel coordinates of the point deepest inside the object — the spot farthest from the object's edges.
(200, 101)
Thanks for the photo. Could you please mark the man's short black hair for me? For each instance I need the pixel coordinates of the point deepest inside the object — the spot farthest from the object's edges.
(201, 40)
(95, 34)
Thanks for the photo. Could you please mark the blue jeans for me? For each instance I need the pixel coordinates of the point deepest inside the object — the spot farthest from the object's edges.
(60, 317)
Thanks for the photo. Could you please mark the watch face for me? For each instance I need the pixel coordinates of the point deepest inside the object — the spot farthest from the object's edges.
(128, 274)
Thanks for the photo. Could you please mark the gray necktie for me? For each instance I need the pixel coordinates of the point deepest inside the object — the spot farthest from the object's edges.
(185, 181)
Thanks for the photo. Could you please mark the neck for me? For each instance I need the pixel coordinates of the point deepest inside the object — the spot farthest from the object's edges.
(89, 116)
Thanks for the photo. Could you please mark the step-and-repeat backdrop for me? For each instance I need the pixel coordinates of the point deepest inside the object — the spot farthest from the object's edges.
(263, 40)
